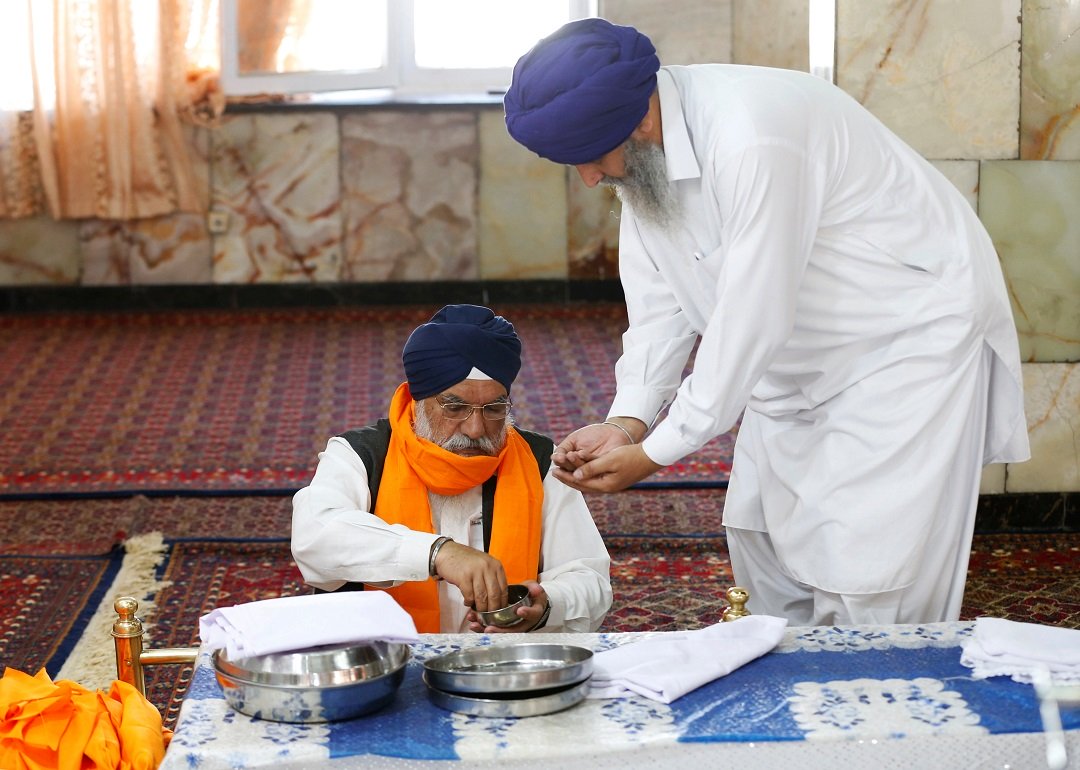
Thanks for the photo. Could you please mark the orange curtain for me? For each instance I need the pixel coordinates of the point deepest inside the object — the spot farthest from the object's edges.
(262, 29)
(112, 82)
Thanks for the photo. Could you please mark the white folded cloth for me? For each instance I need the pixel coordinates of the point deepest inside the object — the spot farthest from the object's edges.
(299, 622)
(667, 667)
(999, 647)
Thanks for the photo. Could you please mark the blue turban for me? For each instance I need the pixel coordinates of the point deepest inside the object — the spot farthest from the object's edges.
(581, 91)
(442, 352)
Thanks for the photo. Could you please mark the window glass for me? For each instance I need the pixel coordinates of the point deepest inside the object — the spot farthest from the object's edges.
(471, 34)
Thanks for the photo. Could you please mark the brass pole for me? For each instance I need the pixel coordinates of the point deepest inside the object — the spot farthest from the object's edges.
(127, 632)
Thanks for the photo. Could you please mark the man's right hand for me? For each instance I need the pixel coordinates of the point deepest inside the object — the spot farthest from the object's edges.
(480, 577)
(588, 443)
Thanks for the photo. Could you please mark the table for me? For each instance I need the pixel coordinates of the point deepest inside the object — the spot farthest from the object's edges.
(828, 697)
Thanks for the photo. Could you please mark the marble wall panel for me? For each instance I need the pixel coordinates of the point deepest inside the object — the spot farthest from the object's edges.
(771, 33)
(276, 177)
(1052, 402)
(409, 195)
(1030, 209)
(993, 479)
(943, 74)
(593, 239)
(523, 208)
(1050, 80)
(39, 251)
(964, 174)
(683, 31)
(171, 249)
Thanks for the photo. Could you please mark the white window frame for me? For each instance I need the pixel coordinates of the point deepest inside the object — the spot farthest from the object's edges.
(400, 75)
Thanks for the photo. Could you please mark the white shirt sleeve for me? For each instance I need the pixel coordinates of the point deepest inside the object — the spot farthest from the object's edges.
(336, 539)
(574, 563)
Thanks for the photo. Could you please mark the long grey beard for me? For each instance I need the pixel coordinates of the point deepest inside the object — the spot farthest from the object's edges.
(459, 441)
(645, 188)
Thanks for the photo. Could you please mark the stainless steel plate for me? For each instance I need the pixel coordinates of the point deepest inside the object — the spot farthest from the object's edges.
(509, 668)
(533, 704)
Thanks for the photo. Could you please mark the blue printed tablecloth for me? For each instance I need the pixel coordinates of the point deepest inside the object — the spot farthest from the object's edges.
(862, 693)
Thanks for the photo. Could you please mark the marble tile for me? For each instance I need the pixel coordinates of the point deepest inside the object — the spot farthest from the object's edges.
(1052, 403)
(409, 184)
(593, 250)
(771, 33)
(172, 249)
(943, 74)
(523, 208)
(39, 251)
(964, 174)
(1029, 208)
(691, 33)
(1050, 80)
(993, 479)
(275, 176)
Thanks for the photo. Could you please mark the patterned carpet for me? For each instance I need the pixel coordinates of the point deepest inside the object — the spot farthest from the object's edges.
(45, 602)
(244, 401)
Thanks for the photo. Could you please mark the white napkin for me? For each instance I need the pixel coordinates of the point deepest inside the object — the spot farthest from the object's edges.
(999, 647)
(667, 667)
(299, 622)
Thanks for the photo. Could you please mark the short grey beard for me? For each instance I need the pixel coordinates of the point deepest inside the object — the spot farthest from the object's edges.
(458, 441)
(645, 188)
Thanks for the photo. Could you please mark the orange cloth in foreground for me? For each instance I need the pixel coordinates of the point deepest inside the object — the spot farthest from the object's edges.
(413, 466)
(47, 725)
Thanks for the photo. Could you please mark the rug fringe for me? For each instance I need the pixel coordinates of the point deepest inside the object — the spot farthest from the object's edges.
(92, 662)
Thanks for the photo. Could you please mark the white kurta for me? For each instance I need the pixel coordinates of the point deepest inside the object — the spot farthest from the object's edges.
(336, 539)
(844, 293)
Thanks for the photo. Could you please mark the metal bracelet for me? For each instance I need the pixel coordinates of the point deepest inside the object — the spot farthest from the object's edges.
(624, 430)
(435, 548)
(543, 618)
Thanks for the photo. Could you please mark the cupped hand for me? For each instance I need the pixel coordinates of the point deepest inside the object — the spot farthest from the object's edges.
(586, 444)
(611, 472)
(530, 615)
(480, 577)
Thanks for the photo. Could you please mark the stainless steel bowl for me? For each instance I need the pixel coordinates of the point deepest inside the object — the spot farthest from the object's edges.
(320, 684)
(518, 596)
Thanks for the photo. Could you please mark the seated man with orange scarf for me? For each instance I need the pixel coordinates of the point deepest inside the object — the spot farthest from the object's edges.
(447, 502)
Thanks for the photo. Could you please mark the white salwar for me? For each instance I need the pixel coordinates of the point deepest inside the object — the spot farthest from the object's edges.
(844, 292)
(336, 539)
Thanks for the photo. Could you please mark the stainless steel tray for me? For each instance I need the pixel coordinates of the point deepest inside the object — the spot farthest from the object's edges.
(509, 668)
(533, 704)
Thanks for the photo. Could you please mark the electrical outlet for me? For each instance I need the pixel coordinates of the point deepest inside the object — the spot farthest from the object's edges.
(217, 222)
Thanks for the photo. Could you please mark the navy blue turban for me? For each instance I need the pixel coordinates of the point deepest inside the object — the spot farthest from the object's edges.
(581, 91)
(442, 352)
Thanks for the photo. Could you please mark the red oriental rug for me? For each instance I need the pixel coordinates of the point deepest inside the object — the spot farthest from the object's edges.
(243, 401)
(46, 602)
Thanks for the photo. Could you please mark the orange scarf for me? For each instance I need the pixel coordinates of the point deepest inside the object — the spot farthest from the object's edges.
(61, 725)
(413, 466)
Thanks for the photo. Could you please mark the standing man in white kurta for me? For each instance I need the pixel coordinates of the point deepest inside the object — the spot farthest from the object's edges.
(446, 501)
(839, 290)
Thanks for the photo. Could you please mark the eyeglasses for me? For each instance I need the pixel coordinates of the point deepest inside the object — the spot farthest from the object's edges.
(459, 411)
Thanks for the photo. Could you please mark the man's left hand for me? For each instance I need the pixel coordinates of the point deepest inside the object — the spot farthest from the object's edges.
(530, 615)
(610, 472)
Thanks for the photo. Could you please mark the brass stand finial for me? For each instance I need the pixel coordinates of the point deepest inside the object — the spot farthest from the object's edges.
(738, 597)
